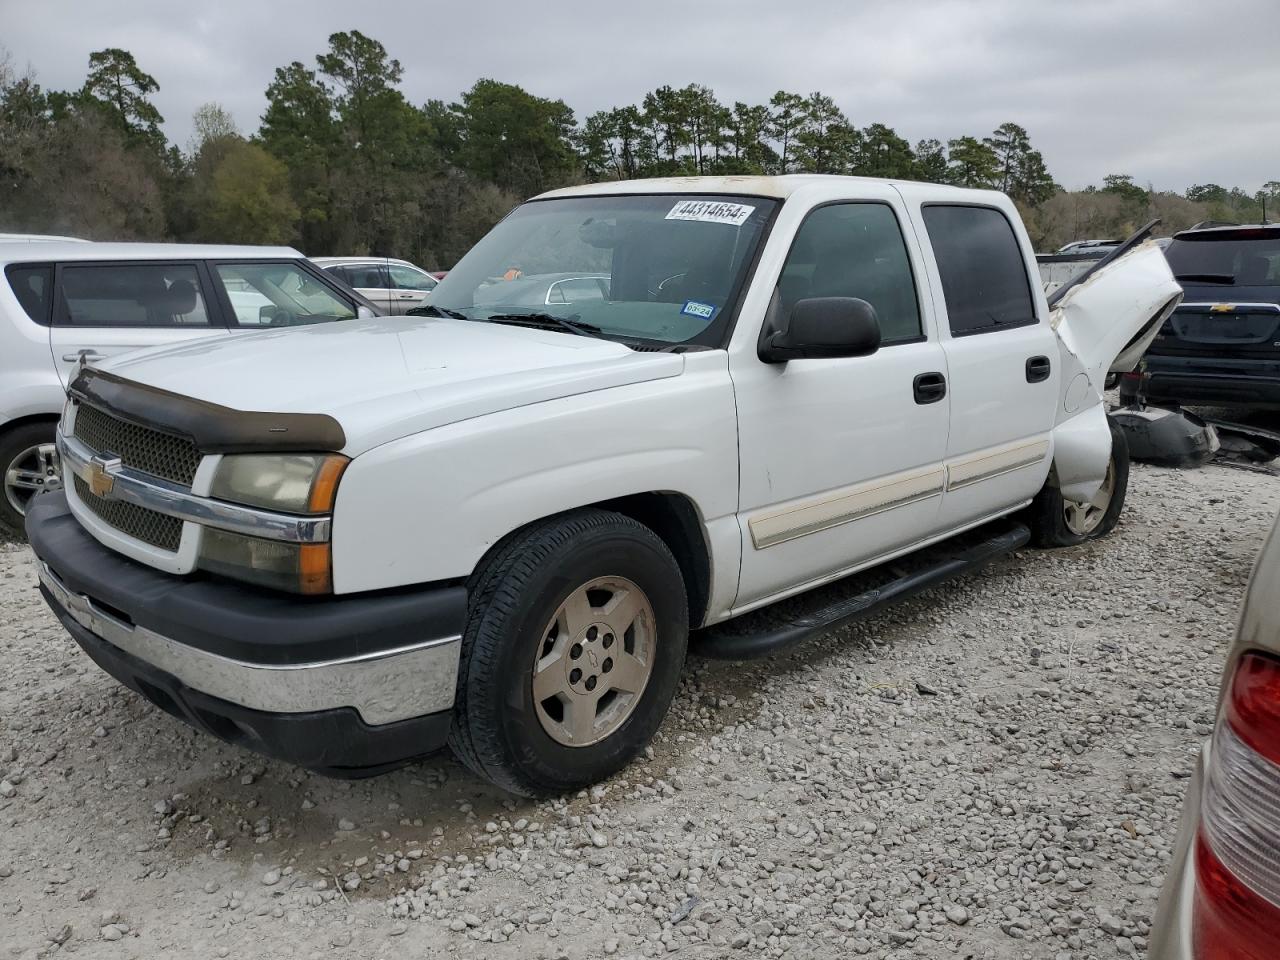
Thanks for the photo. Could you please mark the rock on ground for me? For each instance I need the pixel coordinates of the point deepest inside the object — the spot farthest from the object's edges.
(993, 770)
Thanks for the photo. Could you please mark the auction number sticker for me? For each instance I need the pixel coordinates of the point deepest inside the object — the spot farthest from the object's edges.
(693, 308)
(711, 211)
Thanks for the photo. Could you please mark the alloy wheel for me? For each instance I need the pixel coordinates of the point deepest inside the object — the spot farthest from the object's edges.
(593, 661)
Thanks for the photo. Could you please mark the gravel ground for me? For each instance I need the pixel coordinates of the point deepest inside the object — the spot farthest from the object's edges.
(992, 770)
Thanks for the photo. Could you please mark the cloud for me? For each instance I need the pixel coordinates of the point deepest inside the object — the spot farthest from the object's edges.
(1102, 87)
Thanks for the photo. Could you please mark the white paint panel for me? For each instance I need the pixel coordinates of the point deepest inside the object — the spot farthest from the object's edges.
(428, 507)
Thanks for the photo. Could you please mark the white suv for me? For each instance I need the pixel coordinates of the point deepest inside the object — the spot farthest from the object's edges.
(396, 286)
(61, 302)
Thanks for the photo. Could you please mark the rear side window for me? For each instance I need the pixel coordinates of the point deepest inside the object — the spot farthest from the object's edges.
(132, 295)
(367, 276)
(984, 278)
(33, 286)
(854, 250)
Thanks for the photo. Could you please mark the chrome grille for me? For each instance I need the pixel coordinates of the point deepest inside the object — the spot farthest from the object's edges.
(153, 452)
(138, 522)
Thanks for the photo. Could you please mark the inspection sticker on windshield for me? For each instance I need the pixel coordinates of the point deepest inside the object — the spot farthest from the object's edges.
(711, 211)
(693, 308)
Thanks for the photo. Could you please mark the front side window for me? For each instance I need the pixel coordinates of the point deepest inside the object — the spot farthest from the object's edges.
(279, 295)
(409, 278)
(984, 277)
(854, 250)
(132, 295)
(367, 276)
(32, 285)
(665, 268)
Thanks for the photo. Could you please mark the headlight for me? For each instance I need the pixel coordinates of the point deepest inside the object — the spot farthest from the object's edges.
(287, 483)
(290, 483)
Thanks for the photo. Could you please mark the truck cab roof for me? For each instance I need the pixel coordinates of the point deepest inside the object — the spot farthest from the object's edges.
(778, 187)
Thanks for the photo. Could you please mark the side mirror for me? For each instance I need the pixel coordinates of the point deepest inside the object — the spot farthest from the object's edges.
(270, 315)
(364, 313)
(824, 328)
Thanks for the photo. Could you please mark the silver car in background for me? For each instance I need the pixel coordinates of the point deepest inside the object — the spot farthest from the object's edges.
(1222, 897)
(543, 289)
(395, 286)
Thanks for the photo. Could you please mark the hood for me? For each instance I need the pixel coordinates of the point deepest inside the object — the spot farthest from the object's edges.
(1105, 324)
(389, 377)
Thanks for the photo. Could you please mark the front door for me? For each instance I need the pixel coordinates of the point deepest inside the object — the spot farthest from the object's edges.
(841, 460)
(102, 309)
(409, 287)
(370, 280)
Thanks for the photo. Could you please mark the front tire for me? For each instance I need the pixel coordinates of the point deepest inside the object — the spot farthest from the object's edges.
(28, 466)
(1056, 522)
(576, 634)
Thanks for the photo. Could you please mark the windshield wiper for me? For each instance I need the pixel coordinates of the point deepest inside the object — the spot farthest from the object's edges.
(547, 321)
(431, 310)
(1206, 277)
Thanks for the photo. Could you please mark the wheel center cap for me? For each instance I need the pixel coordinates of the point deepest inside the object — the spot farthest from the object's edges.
(592, 659)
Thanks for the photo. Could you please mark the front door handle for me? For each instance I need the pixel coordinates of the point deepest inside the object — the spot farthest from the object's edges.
(1037, 369)
(80, 355)
(929, 387)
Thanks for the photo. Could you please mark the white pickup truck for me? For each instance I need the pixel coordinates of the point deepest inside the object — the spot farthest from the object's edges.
(494, 524)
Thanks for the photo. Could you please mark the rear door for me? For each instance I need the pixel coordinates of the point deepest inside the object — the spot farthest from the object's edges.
(102, 309)
(1001, 360)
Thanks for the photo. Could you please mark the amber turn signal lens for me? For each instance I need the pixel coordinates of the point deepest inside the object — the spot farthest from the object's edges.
(324, 489)
(314, 571)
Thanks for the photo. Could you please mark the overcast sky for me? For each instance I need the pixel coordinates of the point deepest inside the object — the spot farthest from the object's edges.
(1174, 92)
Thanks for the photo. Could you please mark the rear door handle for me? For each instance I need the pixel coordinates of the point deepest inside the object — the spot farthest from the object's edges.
(1038, 369)
(929, 387)
(82, 355)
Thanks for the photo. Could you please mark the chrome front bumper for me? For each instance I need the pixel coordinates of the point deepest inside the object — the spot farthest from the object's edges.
(382, 687)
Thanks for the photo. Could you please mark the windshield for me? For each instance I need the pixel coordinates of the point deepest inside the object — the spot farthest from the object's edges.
(1230, 260)
(655, 268)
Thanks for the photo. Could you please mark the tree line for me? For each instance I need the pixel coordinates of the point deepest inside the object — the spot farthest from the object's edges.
(343, 163)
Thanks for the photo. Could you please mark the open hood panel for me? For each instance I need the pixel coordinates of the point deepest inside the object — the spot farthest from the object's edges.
(1107, 322)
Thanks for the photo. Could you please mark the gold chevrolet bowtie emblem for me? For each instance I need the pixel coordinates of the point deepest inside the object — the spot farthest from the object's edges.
(100, 482)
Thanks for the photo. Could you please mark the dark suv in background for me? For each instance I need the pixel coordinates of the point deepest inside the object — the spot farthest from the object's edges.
(1221, 346)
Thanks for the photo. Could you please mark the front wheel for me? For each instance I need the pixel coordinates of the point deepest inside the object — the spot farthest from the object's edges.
(575, 638)
(28, 465)
(1058, 522)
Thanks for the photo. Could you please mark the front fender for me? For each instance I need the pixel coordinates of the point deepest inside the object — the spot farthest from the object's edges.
(1081, 450)
(429, 506)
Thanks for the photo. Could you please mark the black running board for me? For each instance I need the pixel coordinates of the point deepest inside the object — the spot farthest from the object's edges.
(723, 643)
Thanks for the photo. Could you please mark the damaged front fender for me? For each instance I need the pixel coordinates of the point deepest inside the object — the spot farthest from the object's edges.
(1104, 325)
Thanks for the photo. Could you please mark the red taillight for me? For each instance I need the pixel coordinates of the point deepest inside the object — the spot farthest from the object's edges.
(1253, 708)
(1231, 921)
(1237, 902)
